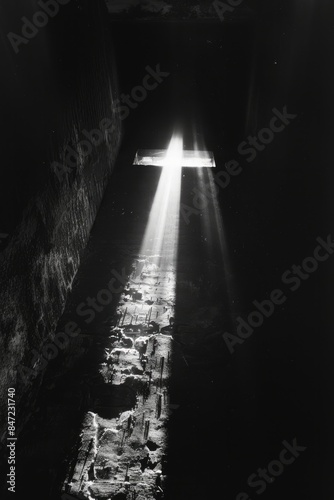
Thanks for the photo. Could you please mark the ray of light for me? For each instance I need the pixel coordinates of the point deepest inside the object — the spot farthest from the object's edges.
(161, 236)
(215, 236)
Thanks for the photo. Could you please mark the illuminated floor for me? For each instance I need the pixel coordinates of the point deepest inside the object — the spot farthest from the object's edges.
(126, 454)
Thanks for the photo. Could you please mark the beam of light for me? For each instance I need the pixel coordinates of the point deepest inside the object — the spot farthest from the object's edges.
(214, 233)
(161, 236)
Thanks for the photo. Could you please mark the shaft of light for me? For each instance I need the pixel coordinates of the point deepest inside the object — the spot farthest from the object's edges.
(160, 242)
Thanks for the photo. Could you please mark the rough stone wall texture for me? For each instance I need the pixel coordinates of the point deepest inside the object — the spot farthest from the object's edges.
(63, 82)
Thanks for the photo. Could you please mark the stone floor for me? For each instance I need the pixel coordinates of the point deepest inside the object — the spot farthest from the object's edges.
(125, 455)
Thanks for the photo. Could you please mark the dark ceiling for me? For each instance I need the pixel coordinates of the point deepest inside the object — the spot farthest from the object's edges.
(183, 10)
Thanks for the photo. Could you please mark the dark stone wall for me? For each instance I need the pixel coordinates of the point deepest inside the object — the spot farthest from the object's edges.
(55, 84)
